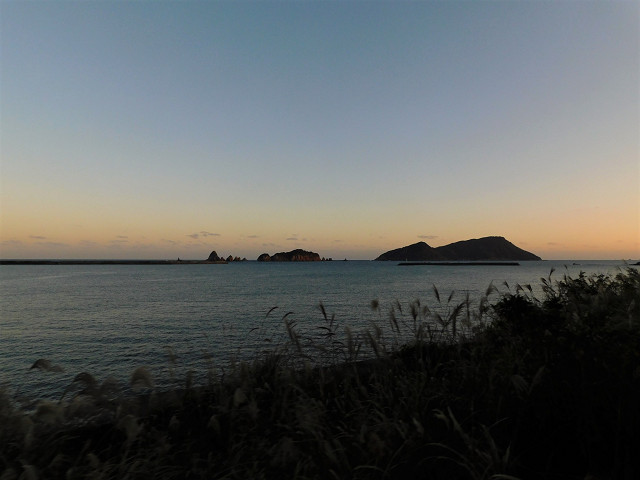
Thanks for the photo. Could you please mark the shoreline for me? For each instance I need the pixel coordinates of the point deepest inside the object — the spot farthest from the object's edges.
(111, 262)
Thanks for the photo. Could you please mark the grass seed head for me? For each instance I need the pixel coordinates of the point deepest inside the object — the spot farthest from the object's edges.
(141, 379)
(46, 366)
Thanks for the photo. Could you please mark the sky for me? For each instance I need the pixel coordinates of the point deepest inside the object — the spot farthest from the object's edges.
(166, 129)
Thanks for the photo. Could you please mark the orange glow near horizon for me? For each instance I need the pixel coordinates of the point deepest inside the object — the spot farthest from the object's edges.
(65, 225)
(64, 240)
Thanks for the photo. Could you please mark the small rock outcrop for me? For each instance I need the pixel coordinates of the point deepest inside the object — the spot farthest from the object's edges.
(213, 257)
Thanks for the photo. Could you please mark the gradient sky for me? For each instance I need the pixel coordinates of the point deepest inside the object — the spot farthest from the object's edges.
(169, 129)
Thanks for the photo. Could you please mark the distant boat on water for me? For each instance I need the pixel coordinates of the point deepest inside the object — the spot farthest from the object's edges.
(457, 264)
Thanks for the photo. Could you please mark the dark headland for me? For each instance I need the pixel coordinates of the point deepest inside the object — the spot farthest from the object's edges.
(486, 249)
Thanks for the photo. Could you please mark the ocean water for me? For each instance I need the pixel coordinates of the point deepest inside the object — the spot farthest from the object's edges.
(110, 319)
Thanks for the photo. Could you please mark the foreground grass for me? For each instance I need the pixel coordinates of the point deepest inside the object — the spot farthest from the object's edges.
(540, 388)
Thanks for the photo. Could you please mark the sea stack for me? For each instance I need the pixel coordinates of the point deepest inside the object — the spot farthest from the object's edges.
(213, 257)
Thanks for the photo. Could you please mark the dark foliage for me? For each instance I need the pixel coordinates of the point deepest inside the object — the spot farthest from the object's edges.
(544, 389)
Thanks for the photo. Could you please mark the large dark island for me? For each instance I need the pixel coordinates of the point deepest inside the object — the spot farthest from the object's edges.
(487, 249)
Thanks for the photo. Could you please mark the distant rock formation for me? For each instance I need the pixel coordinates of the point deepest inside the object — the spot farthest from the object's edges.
(297, 255)
(478, 249)
(213, 257)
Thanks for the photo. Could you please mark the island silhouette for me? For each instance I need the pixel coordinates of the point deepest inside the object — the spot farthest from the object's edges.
(297, 255)
(492, 249)
(477, 249)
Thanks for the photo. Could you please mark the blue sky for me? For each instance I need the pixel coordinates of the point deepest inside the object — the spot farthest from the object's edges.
(166, 129)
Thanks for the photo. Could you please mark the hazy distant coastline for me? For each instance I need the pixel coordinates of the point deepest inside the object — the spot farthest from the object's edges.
(296, 255)
(109, 262)
(482, 251)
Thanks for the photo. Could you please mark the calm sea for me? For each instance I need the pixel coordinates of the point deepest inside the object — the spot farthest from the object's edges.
(109, 319)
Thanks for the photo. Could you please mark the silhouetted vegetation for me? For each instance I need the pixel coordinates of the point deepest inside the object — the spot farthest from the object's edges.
(521, 388)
